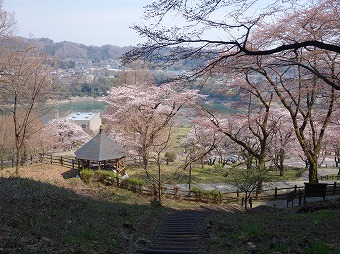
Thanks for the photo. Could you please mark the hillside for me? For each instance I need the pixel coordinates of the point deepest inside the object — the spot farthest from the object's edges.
(67, 50)
(77, 59)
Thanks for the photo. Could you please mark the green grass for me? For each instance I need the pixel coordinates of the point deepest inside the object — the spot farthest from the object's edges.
(290, 174)
(49, 217)
(206, 174)
(276, 231)
(69, 216)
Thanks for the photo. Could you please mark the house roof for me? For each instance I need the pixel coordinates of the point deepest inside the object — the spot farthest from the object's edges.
(101, 148)
(82, 116)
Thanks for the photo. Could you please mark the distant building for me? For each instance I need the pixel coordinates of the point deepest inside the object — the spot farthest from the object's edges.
(89, 121)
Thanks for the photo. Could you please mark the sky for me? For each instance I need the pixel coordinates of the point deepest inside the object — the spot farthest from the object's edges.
(90, 22)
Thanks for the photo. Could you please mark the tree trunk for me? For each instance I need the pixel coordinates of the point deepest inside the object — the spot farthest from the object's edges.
(337, 158)
(145, 162)
(246, 201)
(313, 171)
(281, 160)
(261, 166)
(190, 171)
(249, 162)
(159, 185)
(17, 162)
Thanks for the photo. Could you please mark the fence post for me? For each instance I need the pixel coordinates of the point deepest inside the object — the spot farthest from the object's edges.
(334, 189)
(51, 158)
(251, 202)
(242, 201)
(295, 189)
(275, 195)
(300, 197)
(72, 163)
(61, 161)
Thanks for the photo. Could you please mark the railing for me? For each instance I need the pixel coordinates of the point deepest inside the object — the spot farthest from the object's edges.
(65, 161)
(275, 193)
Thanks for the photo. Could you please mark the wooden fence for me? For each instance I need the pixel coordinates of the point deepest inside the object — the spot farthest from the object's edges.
(65, 161)
(205, 196)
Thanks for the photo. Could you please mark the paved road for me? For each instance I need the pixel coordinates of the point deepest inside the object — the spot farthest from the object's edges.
(225, 188)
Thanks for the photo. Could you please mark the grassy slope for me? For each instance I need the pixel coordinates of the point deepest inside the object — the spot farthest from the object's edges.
(37, 217)
(270, 230)
(67, 216)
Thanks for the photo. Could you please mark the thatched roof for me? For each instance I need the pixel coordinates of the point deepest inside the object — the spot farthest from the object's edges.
(101, 148)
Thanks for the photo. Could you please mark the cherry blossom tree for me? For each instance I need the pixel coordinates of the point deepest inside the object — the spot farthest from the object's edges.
(299, 79)
(143, 116)
(6, 138)
(41, 141)
(25, 85)
(7, 23)
(66, 133)
(283, 138)
(310, 105)
(332, 139)
(254, 124)
(209, 33)
(200, 142)
(142, 113)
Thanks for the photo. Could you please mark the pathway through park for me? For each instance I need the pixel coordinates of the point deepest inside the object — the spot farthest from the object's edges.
(182, 232)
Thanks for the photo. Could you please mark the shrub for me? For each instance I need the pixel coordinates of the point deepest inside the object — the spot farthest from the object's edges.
(134, 184)
(86, 175)
(213, 195)
(216, 196)
(218, 167)
(170, 156)
(106, 177)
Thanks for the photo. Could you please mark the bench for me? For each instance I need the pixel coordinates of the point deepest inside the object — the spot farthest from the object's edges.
(315, 190)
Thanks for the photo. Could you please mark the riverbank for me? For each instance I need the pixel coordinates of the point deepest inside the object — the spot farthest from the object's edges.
(73, 99)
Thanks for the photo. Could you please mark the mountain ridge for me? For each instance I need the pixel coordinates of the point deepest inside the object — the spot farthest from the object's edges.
(67, 50)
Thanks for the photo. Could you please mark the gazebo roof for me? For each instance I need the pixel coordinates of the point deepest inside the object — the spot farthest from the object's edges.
(101, 148)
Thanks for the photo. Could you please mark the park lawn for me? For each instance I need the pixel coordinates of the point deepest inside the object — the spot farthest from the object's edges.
(205, 174)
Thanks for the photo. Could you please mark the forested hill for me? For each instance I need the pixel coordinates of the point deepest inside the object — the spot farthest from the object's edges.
(77, 52)
(66, 50)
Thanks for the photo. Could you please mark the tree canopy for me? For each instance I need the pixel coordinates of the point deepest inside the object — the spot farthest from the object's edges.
(216, 31)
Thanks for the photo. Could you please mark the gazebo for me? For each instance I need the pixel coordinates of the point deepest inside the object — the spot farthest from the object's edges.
(101, 152)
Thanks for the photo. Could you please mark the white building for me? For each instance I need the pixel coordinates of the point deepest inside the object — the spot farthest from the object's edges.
(89, 121)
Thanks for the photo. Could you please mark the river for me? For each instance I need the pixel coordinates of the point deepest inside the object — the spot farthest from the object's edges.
(80, 106)
(64, 108)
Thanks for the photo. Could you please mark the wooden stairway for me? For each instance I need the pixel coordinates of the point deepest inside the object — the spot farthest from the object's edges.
(182, 232)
